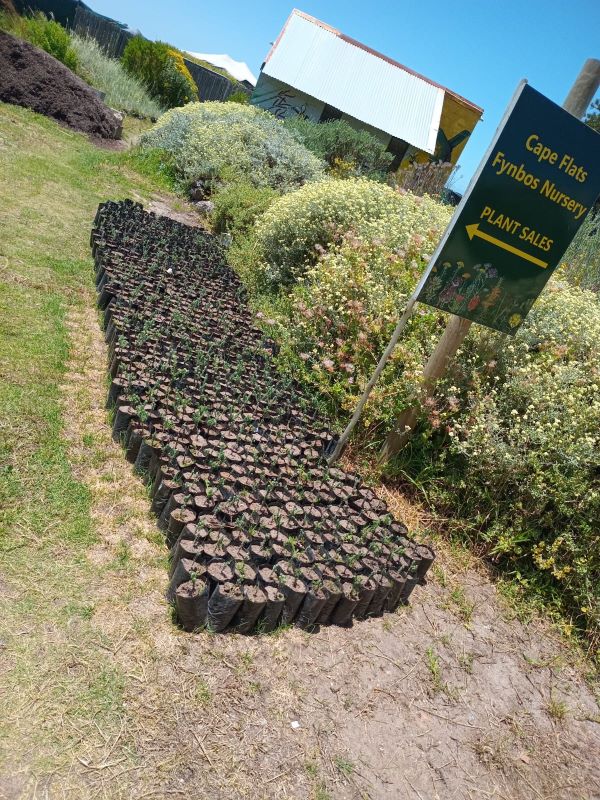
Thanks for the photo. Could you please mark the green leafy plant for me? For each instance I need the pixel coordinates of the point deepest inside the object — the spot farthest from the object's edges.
(239, 97)
(592, 118)
(509, 449)
(162, 71)
(211, 141)
(238, 204)
(44, 33)
(348, 151)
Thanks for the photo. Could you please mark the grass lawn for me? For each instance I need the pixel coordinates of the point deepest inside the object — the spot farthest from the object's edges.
(51, 183)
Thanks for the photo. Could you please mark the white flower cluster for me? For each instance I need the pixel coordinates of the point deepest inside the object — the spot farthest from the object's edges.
(528, 433)
(293, 228)
(211, 140)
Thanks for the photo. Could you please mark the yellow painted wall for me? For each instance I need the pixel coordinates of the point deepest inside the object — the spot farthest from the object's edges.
(456, 125)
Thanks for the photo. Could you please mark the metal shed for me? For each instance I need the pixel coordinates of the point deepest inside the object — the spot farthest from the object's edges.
(315, 70)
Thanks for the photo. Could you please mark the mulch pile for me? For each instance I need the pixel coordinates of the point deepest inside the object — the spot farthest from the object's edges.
(34, 79)
(262, 531)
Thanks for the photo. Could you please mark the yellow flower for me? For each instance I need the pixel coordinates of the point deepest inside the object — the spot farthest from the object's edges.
(514, 320)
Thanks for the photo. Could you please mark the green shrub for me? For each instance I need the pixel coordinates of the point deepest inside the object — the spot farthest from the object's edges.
(121, 89)
(214, 140)
(582, 259)
(238, 204)
(345, 149)
(44, 33)
(592, 118)
(508, 451)
(159, 68)
(294, 228)
(239, 97)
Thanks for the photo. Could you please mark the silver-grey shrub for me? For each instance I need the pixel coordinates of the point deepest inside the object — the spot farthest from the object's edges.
(232, 141)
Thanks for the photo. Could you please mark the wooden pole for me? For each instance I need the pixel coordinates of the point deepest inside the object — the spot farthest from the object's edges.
(583, 90)
(452, 338)
(576, 103)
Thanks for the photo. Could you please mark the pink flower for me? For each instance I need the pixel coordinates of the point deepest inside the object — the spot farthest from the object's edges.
(327, 364)
(304, 356)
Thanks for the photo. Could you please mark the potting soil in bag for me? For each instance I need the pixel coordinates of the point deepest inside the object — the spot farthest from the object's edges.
(334, 593)
(384, 586)
(342, 613)
(184, 570)
(224, 602)
(365, 595)
(294, 591)
(191, 602)
(272, 613)
(311, 607)
(252, 606)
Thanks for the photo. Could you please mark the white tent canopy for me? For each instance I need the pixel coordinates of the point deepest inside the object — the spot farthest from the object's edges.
(238, 69)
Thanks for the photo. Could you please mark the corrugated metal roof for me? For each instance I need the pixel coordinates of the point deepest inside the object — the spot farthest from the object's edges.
(319, 61)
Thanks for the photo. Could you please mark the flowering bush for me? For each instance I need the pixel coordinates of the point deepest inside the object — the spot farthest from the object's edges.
(339, 317)
(293, 229)
(509, 448)
(162, 71)
(206, 140)
(582, 259)
(518, 447)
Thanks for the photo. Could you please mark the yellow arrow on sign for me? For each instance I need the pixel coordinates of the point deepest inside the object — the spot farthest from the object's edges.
(473, 230)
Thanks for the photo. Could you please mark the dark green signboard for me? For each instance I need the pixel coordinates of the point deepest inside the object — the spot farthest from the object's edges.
(537, 183)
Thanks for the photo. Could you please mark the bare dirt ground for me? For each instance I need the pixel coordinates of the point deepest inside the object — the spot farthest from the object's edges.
(451, 697)
(184, 212)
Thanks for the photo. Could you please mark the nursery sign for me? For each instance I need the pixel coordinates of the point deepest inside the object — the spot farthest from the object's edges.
(534, 187)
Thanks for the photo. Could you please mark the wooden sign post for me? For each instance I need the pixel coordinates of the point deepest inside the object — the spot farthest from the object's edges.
(576, 103)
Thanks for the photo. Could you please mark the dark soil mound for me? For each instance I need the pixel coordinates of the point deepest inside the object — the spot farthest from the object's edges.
(31, 78)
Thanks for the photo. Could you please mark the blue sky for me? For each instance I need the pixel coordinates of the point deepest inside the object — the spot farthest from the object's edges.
(478, 48)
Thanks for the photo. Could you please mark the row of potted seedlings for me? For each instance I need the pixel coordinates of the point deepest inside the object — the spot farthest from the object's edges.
(261, 531)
